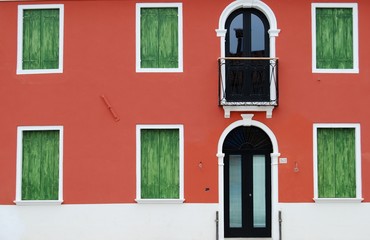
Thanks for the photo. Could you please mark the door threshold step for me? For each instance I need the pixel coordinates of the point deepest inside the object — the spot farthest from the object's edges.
(248, 238)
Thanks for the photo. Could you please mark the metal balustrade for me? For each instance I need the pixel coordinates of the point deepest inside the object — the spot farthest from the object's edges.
(248, 81)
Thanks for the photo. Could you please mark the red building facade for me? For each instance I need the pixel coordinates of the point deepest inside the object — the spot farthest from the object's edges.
(256, 110)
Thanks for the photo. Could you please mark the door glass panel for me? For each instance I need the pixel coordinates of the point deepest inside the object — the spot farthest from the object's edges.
(259, 191)
(236, 35)
(258, 37)
(235, 194)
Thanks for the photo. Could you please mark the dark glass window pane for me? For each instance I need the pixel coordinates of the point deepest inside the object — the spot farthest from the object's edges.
(258, 36)
(236, 35)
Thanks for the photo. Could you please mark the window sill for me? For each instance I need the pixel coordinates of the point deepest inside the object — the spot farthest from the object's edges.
(38, 202)
(39, 71)
(353, 71)
(160, 201)
(338, 200)
(159, 70)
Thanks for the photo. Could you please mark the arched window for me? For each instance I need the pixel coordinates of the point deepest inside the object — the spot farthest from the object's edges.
(247, 34)
(247, 52)
(247, 64)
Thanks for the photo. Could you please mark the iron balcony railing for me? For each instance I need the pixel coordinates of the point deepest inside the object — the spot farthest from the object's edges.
(248, 81)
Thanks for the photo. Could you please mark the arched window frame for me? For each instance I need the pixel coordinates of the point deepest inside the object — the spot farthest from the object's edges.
(273, 33)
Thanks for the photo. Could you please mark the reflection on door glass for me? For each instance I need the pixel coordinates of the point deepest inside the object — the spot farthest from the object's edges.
(236, 35)
(258, 37)
(235, 194)
(259, 191)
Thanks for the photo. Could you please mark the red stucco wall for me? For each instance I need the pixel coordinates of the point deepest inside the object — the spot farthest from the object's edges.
(99, 59)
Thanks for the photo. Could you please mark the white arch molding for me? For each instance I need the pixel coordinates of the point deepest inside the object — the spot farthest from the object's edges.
(247, 121)
(273, 33)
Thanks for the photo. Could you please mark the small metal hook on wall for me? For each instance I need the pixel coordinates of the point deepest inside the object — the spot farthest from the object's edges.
(296, 169)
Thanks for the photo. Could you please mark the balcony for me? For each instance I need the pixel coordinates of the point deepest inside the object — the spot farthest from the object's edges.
(248, 84)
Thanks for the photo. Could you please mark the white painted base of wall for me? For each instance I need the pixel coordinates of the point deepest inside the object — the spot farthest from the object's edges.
(109, 222)
(301, 221)
(325, 221)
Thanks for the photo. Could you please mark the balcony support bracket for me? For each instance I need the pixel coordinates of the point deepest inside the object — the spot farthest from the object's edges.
(267, 109)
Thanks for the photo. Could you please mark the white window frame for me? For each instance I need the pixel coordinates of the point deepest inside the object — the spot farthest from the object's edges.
(357, 128)
(21, 9)
(355, 44)
(138, 37)
(181, 162)
(18, 198)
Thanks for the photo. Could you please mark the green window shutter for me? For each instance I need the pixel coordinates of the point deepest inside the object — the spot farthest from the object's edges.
(168, 41)
(40, 165)
(150, 163)
(326, 162)
(345, 167)
(31, 39)
(334, 38)
(50, 39)
(159, 163)
(159, 38)
(41, 39)
(169, 163)
(336, 162)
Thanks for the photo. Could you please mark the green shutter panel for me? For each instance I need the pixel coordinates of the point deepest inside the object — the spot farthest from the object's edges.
(336, 163)
(50, 39)
(31, 39)
(326, 162)
(345, 167)
(343, 36)
(168, 38)
(41, 39)
(334, 38)
(169, 163)
(149, 163)
(40, 165)
(149, 38)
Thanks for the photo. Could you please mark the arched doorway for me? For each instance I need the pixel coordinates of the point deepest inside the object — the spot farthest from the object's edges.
(265, 151)
(247, 183)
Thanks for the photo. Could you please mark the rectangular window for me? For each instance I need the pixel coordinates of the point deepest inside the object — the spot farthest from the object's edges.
(40, 39)
(159, 37)
(337, 161)
(160, 163)
(39, 165)
(335, 37)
